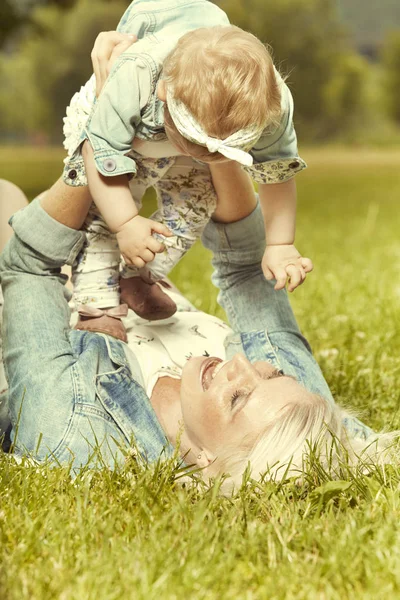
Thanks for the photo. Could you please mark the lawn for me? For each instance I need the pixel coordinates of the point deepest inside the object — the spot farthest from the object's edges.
(137, 535)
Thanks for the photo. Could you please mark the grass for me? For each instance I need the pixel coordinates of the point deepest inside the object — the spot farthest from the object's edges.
(136, 534)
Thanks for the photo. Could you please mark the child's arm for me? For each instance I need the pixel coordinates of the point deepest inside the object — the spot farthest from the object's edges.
(236, 200)
(281, 260)
(276, 161)
(235, 192)
(114, 201)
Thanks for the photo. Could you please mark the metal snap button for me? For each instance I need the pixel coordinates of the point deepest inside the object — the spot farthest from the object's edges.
(294, 164)
(109, 165)
(72, 174)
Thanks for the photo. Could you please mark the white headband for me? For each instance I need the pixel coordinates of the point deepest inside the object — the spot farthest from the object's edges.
(231, 147)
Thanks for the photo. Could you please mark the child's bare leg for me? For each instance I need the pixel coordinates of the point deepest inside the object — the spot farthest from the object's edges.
(235, 192)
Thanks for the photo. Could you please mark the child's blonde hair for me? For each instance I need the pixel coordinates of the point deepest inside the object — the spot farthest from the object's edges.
(226, 78)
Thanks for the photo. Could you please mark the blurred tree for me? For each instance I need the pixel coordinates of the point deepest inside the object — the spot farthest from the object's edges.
(391, 66)
(327, 78)
(311, 48)
(369, 22)
(50, 66)
(11, 19)
(345, 95)
(16, 13)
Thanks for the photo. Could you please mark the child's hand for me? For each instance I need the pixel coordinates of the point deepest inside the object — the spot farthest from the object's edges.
(136, 243)
(283, 262)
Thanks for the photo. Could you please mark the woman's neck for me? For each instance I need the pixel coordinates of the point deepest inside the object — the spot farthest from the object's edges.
(165, 399)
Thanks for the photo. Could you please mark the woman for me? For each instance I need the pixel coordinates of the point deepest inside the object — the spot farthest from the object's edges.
(80, 398)
(17, 201)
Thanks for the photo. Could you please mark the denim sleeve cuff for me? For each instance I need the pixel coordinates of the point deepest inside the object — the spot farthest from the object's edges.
(110, 163)
(54, 241)
(244, 240)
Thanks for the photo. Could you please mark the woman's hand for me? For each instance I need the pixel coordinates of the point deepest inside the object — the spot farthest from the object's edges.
(109, 45)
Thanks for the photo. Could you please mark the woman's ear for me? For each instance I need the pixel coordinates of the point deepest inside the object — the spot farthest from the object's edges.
(205, 458)
(162, 90)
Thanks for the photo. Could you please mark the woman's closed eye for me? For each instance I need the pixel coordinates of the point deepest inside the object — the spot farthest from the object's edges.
(238, 397)
(239, 394)
(235, 397)
(273, 375)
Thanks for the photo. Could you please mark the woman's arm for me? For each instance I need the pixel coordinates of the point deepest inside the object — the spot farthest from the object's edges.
(265, 326)
(11, 200)
(250, 301)
(37, 353)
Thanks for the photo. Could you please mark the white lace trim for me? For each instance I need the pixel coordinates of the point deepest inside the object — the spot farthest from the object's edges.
(77, 116)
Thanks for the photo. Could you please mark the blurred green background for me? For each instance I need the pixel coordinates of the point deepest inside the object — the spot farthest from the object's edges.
(342, 59)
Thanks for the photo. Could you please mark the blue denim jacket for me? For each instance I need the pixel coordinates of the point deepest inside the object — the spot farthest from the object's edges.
(128, 105)
(73, 391)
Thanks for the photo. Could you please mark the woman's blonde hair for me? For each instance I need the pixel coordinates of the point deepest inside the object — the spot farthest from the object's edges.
(284, 447)
(226, 78)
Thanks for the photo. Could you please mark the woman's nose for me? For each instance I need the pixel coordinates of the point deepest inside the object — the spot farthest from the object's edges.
(240, 367)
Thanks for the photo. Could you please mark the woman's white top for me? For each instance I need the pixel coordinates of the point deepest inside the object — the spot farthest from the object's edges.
(162, 348)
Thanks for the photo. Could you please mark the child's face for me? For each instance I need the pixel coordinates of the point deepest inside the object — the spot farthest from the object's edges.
(180, 144)
(183, 146)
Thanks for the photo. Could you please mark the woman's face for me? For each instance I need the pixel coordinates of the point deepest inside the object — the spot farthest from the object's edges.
(223, 402)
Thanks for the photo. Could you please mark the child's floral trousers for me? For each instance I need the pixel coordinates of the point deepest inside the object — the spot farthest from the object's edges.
(186, 200)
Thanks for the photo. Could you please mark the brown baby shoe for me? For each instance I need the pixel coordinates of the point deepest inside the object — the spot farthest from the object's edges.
(147, 300)
(106, 320)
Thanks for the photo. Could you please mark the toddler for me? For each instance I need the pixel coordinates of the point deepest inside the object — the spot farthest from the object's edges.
(182, 96)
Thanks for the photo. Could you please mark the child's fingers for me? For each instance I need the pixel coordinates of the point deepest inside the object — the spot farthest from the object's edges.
(138, 262)
(268, 274)
(147, 255)
(295, 277)
(307, 264)
(161, 228)
(155, 245)
(280, 276)
(133, 260)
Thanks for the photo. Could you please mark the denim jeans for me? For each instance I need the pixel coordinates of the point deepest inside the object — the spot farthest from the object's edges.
(73, 391)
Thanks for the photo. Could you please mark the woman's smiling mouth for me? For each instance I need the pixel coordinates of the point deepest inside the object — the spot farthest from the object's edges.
(209, 369)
